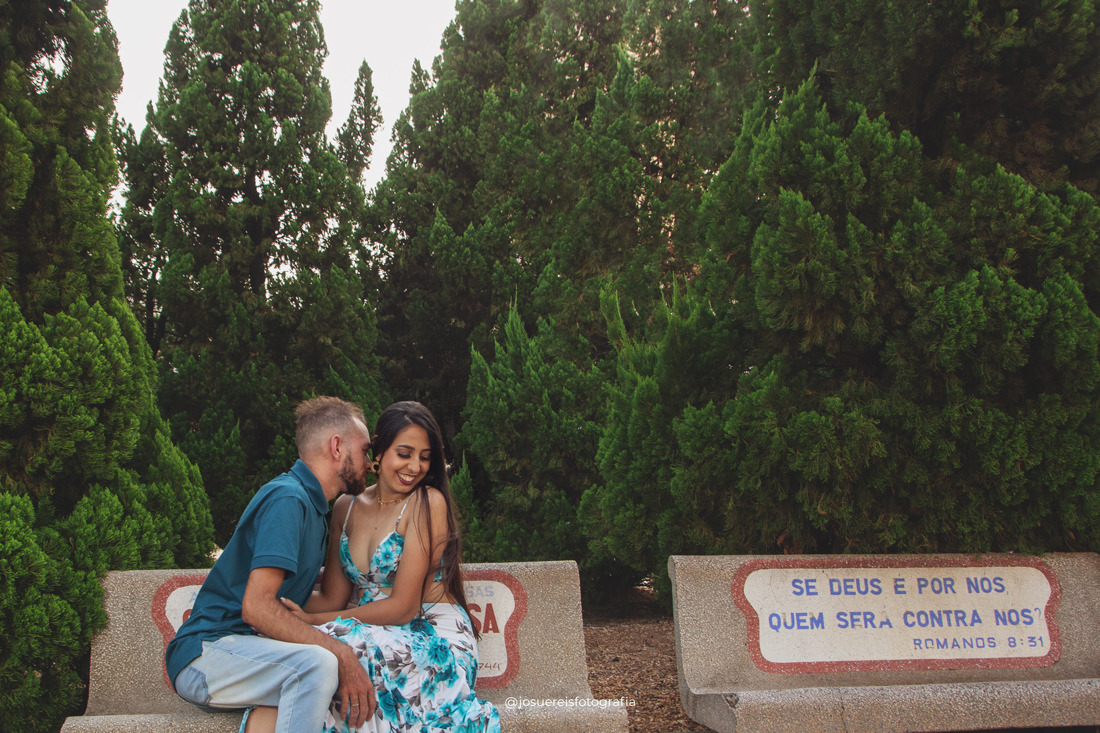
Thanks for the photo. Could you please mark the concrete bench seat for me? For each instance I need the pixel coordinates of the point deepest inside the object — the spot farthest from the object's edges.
(888, 643)
(531, 648)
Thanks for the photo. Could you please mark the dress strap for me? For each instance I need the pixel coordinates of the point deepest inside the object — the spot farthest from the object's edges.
(403, 508)
(347, 515)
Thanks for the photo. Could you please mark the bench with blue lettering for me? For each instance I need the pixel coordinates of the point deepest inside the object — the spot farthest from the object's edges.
(531, 649)
(888, 642)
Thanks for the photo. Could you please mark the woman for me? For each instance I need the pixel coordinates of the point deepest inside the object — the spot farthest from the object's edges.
(398, 547)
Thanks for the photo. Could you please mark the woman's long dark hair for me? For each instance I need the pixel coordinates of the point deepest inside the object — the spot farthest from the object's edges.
(392, 421)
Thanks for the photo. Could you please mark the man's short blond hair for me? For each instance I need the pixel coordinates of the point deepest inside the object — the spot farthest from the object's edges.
(319, 418)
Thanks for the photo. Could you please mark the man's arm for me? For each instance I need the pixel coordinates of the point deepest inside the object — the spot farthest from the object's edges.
(262, 611)
(335, 587)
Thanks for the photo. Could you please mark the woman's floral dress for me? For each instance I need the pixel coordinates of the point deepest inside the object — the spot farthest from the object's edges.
(423, 671)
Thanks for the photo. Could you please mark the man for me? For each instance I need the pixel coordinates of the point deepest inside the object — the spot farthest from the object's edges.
(241, 646)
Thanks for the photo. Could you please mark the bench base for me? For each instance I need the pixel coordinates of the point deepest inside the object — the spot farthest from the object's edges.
(937, 707)
(591, 719)
(192, 722)
(563, 720)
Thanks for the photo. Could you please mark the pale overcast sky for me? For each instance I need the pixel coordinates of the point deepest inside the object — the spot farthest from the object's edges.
(388, 34)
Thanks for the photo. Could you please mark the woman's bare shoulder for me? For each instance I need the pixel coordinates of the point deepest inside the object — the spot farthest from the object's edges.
(435, 497)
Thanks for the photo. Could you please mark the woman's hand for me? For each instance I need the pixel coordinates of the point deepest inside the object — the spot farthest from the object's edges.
(296, 610)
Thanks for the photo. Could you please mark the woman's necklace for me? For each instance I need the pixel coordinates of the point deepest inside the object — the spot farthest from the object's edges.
(383, 514)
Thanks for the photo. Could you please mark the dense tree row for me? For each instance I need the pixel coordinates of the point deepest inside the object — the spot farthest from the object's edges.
(702, 276)
(240, 239)
(89, 477)
(860, 317)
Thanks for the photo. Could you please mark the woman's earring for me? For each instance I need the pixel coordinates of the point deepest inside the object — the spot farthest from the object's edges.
(375, 465)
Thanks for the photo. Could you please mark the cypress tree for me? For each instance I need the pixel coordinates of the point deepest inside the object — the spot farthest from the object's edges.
(693, 68)
(538, 165)
(532, 145)
(444, 276)
(887, 357)
(478, 181)
(1015, 81)
(922, 368)
(241, 224)
(89, 480)
(533, 419)
(828, 241)
(480, 178)
(639, 168)
(355, 139)
(641, 510)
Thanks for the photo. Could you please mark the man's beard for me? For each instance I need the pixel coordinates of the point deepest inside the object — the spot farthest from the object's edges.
(353, 485)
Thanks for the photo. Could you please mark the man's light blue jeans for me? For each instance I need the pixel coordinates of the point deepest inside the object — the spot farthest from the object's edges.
(241, 671)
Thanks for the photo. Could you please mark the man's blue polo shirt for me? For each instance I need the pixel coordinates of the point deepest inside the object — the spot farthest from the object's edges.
(282, 527)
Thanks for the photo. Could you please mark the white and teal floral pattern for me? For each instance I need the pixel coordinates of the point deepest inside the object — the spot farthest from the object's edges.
(423, 671)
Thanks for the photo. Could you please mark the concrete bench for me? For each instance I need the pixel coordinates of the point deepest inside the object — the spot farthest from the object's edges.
(532, 659)
(888, 643)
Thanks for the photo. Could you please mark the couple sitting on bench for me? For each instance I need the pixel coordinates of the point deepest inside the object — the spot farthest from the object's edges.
(404, 655)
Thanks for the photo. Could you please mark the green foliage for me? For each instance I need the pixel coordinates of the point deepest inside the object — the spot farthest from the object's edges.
(692, 69)
(1015, 81)
(51, 610)
(482, 175)
(89, 480)
(356, 138)
(859, 317)
(902, 389)
(646, 508)
(423, 210)
(488, 199)
(876, 353)
(475, 541)
(542, 162)
(240, 230)
(526, 422)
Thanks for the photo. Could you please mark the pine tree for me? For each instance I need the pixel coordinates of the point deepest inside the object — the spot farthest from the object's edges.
(241, 224)
(532, 418)
(922, 368)
(641, 510)
(638, 169)
(89, 480)
(355, 139)
(478, 181)
(694, 72)
(1016, 81)
(913, 351)
(818, 412)
(537, 166)
(522, 148)
(444, 276)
